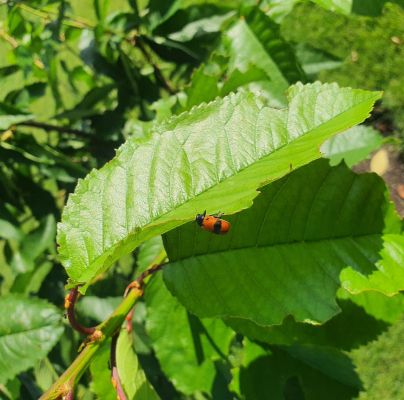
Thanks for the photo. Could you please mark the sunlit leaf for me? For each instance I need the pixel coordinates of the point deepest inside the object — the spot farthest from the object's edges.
(214, 156)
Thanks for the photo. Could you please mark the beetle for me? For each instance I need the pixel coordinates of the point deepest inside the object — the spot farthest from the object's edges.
(213, 223)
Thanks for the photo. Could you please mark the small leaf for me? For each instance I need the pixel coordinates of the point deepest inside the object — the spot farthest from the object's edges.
(9, 231)
(29, 328)
(98, 308)
(10, 115)
(148, 253)
(352, 146)
(341, 6)
(132, 377)
(389, 276)
(256, 40)
(217, 154)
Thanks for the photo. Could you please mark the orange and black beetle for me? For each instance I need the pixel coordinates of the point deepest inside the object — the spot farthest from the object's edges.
(212, 223)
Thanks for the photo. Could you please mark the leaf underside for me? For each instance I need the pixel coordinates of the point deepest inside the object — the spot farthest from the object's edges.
(283, 256)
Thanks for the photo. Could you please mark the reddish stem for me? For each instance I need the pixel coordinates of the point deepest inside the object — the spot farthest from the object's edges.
(128, 319)
(69, 395)
(70, 301)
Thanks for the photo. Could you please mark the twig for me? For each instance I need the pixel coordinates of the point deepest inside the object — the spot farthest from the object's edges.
(105, 330)
(70, 302)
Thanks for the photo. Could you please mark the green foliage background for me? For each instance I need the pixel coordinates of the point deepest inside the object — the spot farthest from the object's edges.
(80, 78)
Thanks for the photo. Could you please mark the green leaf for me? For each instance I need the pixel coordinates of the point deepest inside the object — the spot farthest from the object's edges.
(290, 373)
(283, 256)
(200, 27)
(10, 115)
(278, 9)
(256, 40)
(333, 333)
(384, 308)
(389, 276)
(133, 379)
(214, 156)
(33, 245)
(148, 252)
(101, 383)
(186, 347)
(314, 60)
(9, 231)
(352, 146)
(29, 328)
(341, 6)
(99, 309)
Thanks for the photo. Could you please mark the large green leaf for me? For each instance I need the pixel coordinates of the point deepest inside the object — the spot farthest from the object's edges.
(29, 328)
(188, 348)
(213, 157)
(283, 256)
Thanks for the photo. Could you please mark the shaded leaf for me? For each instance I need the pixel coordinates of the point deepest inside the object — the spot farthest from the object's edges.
(133, 379)
(279, 375)
(161, 183)
(333, 333)
(148, 252)
(314, 60)
(101, 383)
(96, 308)
(186, 346)
(284, 255)
(29, 328)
